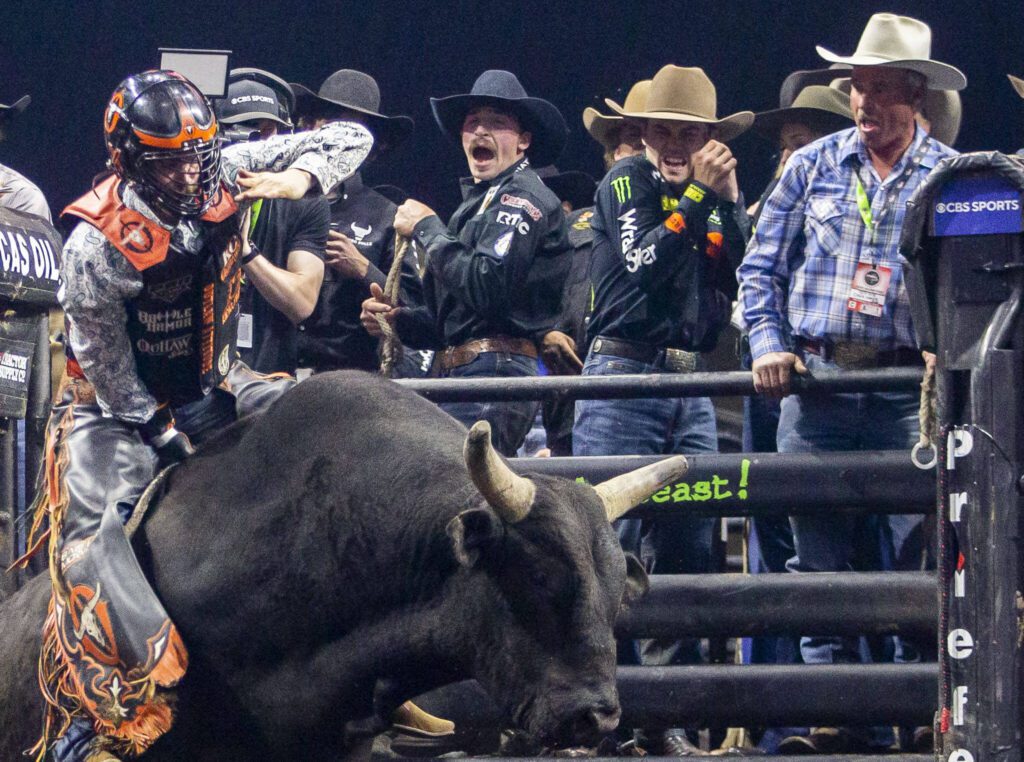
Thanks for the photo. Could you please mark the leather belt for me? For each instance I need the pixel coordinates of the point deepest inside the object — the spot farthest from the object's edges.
(666, 358)
(852, 355)
(454, 357)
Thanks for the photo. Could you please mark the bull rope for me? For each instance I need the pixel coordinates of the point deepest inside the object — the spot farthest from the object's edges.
(928, 421)
(391, 347)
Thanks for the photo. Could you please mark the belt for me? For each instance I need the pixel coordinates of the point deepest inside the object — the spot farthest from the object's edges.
(852, 355)
(454, 357)
(666, 358)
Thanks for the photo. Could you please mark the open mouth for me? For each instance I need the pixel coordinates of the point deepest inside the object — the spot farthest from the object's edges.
(482, 153)
(674, 163)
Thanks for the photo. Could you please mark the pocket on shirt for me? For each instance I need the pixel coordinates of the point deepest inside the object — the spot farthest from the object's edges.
(825, 223)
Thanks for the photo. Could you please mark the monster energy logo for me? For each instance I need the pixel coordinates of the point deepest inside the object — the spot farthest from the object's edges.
(622, 190)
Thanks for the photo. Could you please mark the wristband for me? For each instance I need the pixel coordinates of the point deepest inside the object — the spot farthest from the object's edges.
(253, 253)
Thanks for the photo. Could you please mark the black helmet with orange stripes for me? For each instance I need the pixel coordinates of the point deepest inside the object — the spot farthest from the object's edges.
(161, 136)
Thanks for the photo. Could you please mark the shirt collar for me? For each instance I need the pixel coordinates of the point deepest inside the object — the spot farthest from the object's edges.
(851, 145)
(470, 188)
(346, 188)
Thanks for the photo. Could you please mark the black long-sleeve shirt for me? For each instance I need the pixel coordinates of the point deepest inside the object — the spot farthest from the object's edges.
(333, 337)
(496, 270)
(664, 263)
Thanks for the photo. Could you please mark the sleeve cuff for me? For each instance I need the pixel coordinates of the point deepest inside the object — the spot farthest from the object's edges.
(764, 339)
(428, 229)
(697, 202)
(314, 164)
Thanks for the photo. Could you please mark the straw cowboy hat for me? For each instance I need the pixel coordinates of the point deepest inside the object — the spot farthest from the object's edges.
(823, 108)
(604, 128)
(496, 87)
(900, 42)
(685, 94)
(355, 91)
(942, 109)
(1017, 82)
(9, 112)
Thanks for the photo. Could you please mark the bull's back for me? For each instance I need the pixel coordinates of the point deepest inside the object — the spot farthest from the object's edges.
(21, 624)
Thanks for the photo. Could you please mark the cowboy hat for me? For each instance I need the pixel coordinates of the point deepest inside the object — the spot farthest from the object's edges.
(822, 108)
(900, 42)
(603, 128)
(942, 109)
(798, 80)
(685, 94)
(355, 91)
(573, 186)
(9, 112)
(496, 87)
(1017, 82)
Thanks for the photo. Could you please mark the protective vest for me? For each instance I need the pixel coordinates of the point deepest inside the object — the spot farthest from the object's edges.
(184, 321)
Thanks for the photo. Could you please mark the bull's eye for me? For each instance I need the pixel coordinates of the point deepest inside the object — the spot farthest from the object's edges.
(538, 578)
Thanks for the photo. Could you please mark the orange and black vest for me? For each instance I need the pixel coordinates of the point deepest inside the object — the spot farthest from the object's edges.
(184, 321)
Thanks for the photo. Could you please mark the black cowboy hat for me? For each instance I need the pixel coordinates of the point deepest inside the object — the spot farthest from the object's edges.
(9, 112)
(496, 87)
(355, 91)
(573, 186)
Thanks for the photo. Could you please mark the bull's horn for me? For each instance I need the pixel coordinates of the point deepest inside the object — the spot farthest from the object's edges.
(623, 492)
(509, 494)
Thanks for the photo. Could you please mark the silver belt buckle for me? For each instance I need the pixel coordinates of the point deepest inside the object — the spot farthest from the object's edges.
(850, 355)
(680, 361)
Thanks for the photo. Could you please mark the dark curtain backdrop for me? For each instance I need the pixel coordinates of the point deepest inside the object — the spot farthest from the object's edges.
(70, 55)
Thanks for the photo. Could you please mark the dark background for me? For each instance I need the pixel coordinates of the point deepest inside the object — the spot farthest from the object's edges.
(69, 57)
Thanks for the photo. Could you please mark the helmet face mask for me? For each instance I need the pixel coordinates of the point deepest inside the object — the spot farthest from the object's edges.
(161, 137)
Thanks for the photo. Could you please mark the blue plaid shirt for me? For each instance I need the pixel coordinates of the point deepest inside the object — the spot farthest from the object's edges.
(796, 276)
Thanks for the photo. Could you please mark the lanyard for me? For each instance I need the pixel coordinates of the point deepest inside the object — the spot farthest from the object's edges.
(892, 195)
(257, 207)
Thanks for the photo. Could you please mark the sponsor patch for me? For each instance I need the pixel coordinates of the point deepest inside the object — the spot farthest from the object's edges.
(513, 219)
(668, 203)
(637, 257)
(176, 346)
(694, 193)
(360, 232)
(166, 321)
(623, 192)
(170, 290)
(627, 231)
(526, 205)
(136, 238)
(714, 247)
(503, 243)
(583, 221)
(224, 361)
(676, 223)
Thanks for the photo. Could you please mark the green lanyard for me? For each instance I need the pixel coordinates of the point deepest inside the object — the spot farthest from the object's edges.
(864, 204)
(257, 207)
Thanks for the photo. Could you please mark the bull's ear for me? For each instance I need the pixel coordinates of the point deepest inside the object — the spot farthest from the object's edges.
(471, 532)
(637, 583)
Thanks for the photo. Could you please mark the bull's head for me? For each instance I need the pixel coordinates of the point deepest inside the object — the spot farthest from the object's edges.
(553, 562)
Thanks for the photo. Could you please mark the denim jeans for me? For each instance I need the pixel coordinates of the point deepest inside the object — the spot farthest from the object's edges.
(676, 543)
(869, 421)
(510, 421)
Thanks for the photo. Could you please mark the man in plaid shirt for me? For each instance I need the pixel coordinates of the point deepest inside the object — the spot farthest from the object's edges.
(822, 289)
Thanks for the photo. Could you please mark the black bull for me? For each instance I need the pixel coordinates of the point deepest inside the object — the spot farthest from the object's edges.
(336, 556)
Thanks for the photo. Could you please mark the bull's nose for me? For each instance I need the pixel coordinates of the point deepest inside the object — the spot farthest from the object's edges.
(593, 723)
(605, 719)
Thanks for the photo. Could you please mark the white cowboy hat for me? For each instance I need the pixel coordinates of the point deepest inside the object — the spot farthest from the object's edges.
(902, 43)
(1017, 82)
(685, 94)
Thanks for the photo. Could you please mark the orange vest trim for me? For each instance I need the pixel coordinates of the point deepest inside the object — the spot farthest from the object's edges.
(143, 241)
